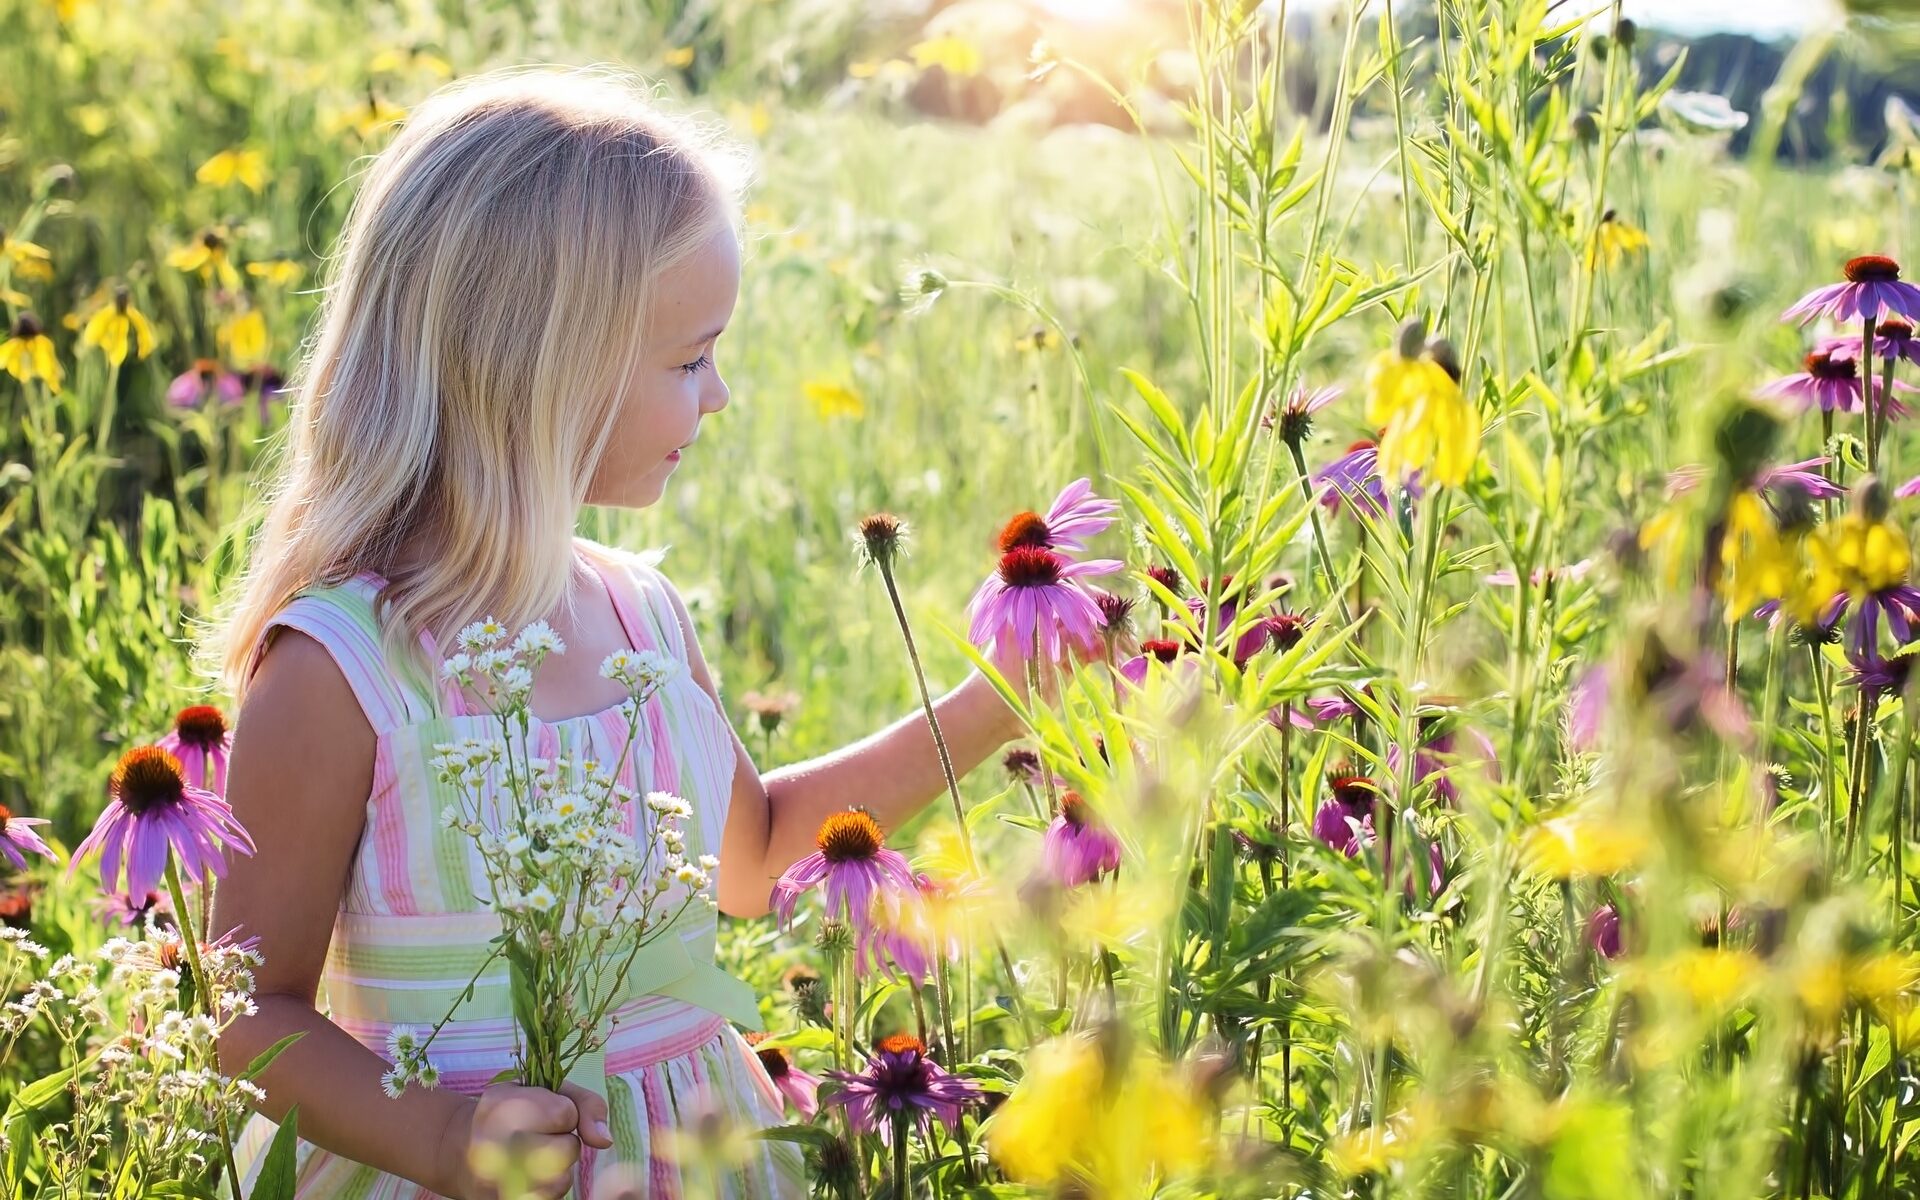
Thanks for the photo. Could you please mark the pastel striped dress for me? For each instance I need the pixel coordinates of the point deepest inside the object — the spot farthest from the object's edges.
(412, 927)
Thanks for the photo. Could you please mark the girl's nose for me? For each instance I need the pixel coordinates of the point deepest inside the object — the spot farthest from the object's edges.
(715, 398)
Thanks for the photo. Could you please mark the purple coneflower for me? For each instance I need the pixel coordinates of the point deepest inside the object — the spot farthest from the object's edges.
(904, 943)
(151, 809)
(901, 1079)
(1892, 338)
(1909, 489)
(1078, 847)
(1163, 650)
(124, 910)
(801, 1089)
(1280, 631)
(1571, 572)
(1873, 291)
(1345, 821)
(191, 386)
(1353, 481)
(201, 741)
(1075, 516)
(1293, 420)
(1439, 750)
(1830, 383)
(856, 866)
(1034, 591)
(17, 838)
(1803, 475)
(1603, 931)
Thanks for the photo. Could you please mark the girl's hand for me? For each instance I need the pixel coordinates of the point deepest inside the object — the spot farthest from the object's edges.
(534, 1132)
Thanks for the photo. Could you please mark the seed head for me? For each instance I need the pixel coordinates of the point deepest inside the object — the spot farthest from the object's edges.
(881, 539)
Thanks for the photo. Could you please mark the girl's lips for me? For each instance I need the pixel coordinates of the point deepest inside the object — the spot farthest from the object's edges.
(673, 456)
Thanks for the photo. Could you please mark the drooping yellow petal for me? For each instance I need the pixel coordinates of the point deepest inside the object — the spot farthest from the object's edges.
(245, 337)
(280, 272)
(953, 54)
(834, 399)
(1583, 845)
(246, 167)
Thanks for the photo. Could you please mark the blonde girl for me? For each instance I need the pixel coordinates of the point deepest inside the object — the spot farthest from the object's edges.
(521, 319)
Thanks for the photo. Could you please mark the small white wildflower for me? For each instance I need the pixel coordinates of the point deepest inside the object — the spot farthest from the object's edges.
(539, 638)
(482, 634)
(402, 1041)
(459, 665)
(708, 862)
(691, 875)
(428, 1076)
(541, 898)
(393, 1083)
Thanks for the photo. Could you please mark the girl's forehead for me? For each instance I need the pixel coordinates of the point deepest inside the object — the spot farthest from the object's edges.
(697, 295)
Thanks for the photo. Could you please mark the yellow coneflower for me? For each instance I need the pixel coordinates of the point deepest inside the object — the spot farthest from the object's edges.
(1428, 425)
(955, 55)
(679, 56)
(28, 260)
(1040, 337)
(279, 272)
(1758, 563)
(114, 325)
(834, 399)
(28, 354)
(245, 337)
(247, 167)
(1614, 240)
(368, 118)
(207, 255)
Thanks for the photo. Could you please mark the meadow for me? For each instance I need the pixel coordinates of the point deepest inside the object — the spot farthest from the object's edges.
(1452, 825)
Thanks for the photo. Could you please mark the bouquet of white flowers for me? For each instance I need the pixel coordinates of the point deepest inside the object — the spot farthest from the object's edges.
(578, 896)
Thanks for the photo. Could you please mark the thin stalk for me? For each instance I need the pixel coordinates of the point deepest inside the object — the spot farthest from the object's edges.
(926, 704)
(203, 998)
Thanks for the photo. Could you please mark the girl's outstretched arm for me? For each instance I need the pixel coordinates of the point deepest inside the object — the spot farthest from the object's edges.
(892, 774)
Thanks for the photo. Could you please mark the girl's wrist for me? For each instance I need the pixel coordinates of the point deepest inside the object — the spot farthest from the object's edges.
(453, 1174)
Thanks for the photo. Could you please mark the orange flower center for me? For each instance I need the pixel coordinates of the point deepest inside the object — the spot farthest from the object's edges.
(901, 1043)
(1352, 789)
(6, 814)
(1895, 328)
(1872, 268)
(1825, 366)
(848, 837)
(1030, 567)
(1025, 529)
(201, 725)
(1362, 444)
(147, 778)
(1073, 806)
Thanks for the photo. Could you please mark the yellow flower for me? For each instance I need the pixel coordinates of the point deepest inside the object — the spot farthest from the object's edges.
(834, 400)
(1614, 240)
(365, 119)
(400, 59)
(248, 167)
(28, 354)
(280, 272)
(1069, 1121)
(16, 299)
(757, 119)
(1882, 981)
(29, 261)
(1715, 979)
(114, 325)
(1857, 555)
(1040, 337)
(954, 55)
(679, 56)
(1583, 845)
(1428, 425)
(1757, 563)
(245, 337)
(207, 255)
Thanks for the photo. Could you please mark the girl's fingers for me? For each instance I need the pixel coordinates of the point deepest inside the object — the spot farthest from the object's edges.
(593, 1115)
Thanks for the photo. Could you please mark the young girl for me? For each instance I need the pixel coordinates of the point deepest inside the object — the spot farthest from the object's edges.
(522, 320)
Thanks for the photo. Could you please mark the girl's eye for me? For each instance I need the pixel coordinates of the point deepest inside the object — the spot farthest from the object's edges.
(697, 365)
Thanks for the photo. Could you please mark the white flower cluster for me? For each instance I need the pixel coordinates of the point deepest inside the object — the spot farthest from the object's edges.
(148, 1082)
(408, 1054)
(581, 872)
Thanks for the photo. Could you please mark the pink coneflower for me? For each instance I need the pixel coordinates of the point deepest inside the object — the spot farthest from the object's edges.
(1803, 475)
(1034, 592)
(1892, 338)
(201, 741)
(904, 944)
(1280, 631)
(1078, 847)
(1830, 383)
(126, 911)
(1163, 650)
(17, 838)
(152, 808)
(1603, 931)
(801, 1089)
(1075, 516)
(1909, 489)
(1293, 420)
(1439, 750)
(1345, 821)
(1873, 291)
(856, 866)
(1353, 481)
(901, 1079)
(191, 386)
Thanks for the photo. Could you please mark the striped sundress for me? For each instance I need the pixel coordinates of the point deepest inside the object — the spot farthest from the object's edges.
(412, 927)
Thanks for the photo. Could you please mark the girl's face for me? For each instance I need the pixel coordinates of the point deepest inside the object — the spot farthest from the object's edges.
(676, 381)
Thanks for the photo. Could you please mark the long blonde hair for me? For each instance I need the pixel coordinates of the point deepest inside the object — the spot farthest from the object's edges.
(487, 296)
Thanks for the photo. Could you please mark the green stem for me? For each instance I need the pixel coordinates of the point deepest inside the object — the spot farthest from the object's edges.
(204, 1000)
(933, 721)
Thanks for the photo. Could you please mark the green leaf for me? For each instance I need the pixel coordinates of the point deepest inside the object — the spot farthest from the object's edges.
(1879, 1055)
(264, 1059)
(276, 1178)
(805, 1135)
(1162, 409)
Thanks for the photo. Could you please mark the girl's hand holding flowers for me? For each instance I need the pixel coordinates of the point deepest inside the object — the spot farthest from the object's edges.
(522, 1141)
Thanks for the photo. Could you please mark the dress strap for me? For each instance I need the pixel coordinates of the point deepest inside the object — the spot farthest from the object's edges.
(341, 617)
(639, 597)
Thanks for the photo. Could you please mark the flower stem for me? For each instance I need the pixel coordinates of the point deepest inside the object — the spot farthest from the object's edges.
(926, 703)
(203, 997)
(900, 1184)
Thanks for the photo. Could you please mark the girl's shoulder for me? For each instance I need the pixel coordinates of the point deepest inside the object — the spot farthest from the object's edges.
(639, 571)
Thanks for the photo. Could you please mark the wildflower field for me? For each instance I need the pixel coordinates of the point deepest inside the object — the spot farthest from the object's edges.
(1460, 512)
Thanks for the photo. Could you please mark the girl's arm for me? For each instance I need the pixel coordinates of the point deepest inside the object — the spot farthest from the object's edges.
(301, 770)
(892, 774)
